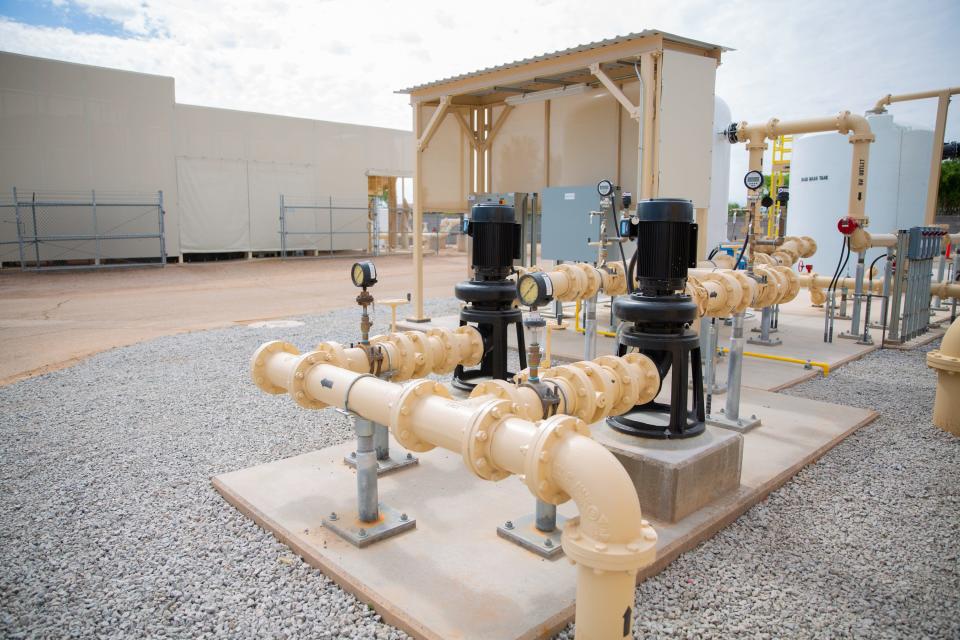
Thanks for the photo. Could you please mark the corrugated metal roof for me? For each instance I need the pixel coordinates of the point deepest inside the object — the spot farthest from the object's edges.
(557, 54)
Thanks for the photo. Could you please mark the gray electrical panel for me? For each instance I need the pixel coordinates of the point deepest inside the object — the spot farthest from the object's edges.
(568, 228)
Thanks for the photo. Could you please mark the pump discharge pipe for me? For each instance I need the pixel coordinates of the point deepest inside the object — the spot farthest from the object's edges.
(556, 459)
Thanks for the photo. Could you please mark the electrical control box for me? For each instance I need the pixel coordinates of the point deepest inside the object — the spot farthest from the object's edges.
(568, 227)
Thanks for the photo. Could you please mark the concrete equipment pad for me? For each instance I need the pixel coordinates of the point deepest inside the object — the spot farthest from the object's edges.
(452, 576)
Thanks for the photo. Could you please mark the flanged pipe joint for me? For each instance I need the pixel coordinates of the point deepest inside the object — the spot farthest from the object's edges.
(946, 360)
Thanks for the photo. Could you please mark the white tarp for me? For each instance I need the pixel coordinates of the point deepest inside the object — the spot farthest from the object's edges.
(214, 205)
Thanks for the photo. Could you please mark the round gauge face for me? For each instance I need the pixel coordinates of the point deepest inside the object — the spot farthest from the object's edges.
(605, 188)
(357, 274)
(529, 290)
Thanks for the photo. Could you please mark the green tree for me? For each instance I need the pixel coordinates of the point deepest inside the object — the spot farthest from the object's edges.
(948, 198)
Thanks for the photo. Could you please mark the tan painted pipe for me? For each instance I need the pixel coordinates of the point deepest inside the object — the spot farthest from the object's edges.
(817, 286)
(945, 290)
(574, 281)
(412, 354)
(590, 390)
(946, 360)
(722, 292)
(861, 240)
(860, 137)
(556, 459)
(905, 97)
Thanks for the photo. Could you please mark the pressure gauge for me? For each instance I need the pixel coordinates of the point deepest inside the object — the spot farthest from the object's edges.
(364, 274)
(534, 289)
(605, 188)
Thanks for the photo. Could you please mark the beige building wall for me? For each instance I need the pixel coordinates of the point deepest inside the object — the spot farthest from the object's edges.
(71, 128)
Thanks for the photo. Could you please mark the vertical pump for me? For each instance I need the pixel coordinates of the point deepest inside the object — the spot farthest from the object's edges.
(489, 294)
(658, 315)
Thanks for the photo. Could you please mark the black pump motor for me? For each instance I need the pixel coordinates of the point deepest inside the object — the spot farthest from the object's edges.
(490, 296)
(658, 316)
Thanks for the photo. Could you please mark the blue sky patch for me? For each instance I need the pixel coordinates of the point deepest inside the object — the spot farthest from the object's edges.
(43, 13)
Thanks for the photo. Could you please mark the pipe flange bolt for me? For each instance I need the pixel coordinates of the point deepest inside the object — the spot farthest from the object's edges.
(585, 399)
(538, 464)
(942, 362)
(421, 354)
(607, 556)
(628, 387)
(479, 436)
(604, 389)
(331, 353)
(298, 381)
(258, 364)
(401, 413)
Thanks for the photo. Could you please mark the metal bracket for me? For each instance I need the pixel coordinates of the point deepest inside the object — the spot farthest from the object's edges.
(362, 534)
(523, 532)
(389, 465)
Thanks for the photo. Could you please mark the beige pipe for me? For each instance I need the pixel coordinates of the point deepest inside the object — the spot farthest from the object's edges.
(572, 281)
(589, 390)
(556, 459)
(946, 360)
(861, 240)
(845, 122)
(722, 292)
(945, 290)
(412, 354)
(905, 97)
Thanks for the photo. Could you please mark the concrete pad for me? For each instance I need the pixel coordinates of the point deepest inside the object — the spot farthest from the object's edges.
(674, 478)
(452, 576)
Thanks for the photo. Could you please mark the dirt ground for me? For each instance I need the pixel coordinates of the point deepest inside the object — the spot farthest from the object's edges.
(51, 320)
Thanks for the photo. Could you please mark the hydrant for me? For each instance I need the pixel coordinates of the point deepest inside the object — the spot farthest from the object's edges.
(946, 360)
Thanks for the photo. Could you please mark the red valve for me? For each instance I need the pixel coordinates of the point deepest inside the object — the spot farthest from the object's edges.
(809, 268)
(847, 225)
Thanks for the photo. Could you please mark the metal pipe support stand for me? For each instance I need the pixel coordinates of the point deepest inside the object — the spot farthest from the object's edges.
(765, 329)
(709, 335)
(538, 532)
(729, 416)
(372, 520)
(858, 298)
(385, 464)
(842, 313)
(590, 328)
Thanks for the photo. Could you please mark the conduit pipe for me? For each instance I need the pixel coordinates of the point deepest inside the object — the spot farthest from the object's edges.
(946, 360)
(556, 459)
(411, 354)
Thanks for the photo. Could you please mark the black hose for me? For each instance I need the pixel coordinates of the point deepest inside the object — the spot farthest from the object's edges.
(872, 265)
(836, 273)
(623, 256)
(713, 252)
(746, 239)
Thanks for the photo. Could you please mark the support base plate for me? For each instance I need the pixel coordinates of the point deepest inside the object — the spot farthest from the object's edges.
(740, 424)
(769, 342)
(523, 532)
(361, 534)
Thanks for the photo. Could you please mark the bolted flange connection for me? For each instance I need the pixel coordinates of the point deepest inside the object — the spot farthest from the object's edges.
(402, 410)
(479, 436)
(606, 556)
(258, 364)
(538, 466)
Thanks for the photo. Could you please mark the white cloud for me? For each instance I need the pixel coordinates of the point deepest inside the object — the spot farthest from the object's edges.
(342, 60)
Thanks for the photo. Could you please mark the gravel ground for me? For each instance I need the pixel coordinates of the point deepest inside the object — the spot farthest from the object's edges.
(110, 527)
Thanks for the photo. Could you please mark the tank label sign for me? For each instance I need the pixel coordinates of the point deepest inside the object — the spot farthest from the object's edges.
(813, 178)
(570, 196)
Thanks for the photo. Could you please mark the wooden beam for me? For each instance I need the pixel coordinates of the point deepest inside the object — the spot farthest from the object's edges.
(471, 135)
(434, 124)
(496, 126)
(615, 91)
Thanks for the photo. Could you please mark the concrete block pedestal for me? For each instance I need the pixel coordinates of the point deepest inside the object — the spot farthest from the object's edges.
(675, 478)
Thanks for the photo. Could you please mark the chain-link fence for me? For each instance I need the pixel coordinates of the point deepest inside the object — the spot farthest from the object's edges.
(73, 230)
(337, 227)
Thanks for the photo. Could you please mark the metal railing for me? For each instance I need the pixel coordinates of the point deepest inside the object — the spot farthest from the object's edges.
(82, 230)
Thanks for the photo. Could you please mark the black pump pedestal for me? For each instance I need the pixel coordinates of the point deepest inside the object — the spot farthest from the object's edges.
(657, 318)
(489, 295)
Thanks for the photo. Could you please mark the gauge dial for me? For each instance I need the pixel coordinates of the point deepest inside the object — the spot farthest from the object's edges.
(363, 274)
(605, 188)
(534, 289)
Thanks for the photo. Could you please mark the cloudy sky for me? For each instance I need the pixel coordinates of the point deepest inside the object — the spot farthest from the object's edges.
(342, 60)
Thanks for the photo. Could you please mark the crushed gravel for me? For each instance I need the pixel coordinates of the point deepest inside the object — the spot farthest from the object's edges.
(110, 527)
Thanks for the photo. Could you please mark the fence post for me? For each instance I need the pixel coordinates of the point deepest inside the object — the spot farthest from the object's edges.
(96, 230)
(16, 212)
(163, 231)
(36, 232)
(283, 229)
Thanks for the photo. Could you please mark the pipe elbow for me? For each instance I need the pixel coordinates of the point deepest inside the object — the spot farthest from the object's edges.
(856, 126)
(610, 534)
